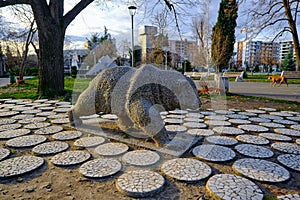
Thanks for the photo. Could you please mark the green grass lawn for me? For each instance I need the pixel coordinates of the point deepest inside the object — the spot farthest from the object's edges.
(29, 89)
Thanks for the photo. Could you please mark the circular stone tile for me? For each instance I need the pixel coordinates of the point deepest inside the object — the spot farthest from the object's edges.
(194, 125)
(272, 125)
(9, 127)
(261, 170)
(254, 151)
(272, 117)
(216, 117)
(8, 113)
(89, 141)
(297, 119)
(50, 148)
(141, 157)
(111, 149)
(285, 122)
(32, 120)
(61, 103)
(289, 197)
(40, 100)
(224, 112)
(173, 121)
(291, 161)
(140, 183)
(237, 116)
(253, 128)
(67, 135)
(8, 134)
(21, 108)
(286, 147)
(70, 158)
(45, 114)
(47, 108)
(58, 116)
(175, 128)
(7, 121)
(109, 116)
(286, 131)
(22, 116)
(48, 130)
(194, 115)
(19, 165)
(239, 121)
(228, 130)
(253, 139)
(213, 153)
(191, 119)
(249, 114)
(296, 127)
(259, 119)
(176, 116)
(37, 125)
(281, 114)
(256, 111)
(61, 110)
(100, 168)
(217, 123)
(298, 141)
(178, 112)
(60, 121)
(26, 141)
(186, 169)
(200, 132)
(229, 186)
(268, 109)
(4, 153)
(221, 140)
(276, 137)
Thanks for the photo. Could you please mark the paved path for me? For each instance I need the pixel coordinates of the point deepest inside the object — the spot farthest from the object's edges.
(6, 81)
(262, 145)
(291, 93)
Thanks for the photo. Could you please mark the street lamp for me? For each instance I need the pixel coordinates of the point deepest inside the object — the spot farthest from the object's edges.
(132, 11)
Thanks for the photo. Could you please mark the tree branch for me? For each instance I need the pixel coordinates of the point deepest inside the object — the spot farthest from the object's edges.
(70, 16)
(4, 3)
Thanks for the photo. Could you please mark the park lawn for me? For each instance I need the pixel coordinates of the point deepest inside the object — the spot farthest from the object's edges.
(29, 89)
(264, 78)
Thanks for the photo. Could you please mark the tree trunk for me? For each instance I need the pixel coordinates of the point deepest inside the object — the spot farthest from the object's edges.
(293, 27)
(51, 64)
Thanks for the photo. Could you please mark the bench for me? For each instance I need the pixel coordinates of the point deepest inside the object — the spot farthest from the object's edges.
(237, 75)
(196, 74)
(291, 74)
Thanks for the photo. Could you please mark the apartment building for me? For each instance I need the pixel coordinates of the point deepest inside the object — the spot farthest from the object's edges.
(184, 48)
(285, 48)
(253, 53)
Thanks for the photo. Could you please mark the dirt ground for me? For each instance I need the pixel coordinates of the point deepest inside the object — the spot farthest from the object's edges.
(51, 182)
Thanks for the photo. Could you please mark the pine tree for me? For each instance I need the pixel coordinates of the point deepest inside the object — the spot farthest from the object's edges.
(223, 34)
(289, 63)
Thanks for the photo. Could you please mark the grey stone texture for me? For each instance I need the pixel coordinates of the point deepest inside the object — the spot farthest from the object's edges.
(137, 96)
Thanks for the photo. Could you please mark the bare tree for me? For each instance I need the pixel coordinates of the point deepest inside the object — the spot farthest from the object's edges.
(278, 15)
(52, 23)
(202, 30)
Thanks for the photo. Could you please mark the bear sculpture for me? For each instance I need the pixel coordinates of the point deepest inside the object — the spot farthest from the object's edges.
(137, 96)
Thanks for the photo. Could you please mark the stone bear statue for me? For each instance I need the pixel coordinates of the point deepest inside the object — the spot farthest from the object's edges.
(137, 96)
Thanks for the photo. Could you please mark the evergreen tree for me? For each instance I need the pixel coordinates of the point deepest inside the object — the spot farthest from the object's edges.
(223, 37)
(289, 63)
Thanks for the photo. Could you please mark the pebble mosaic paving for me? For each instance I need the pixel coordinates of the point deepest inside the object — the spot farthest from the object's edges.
(262, 145)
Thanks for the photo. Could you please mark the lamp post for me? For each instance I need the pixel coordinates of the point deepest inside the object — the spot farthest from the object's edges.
(132, 10)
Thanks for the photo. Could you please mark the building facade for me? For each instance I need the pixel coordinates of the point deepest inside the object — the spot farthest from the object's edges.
(285, 48)
(254, 53)
(184, 48)
(146, 39)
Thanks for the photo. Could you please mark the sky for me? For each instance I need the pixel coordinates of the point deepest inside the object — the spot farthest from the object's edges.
(117, 20)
